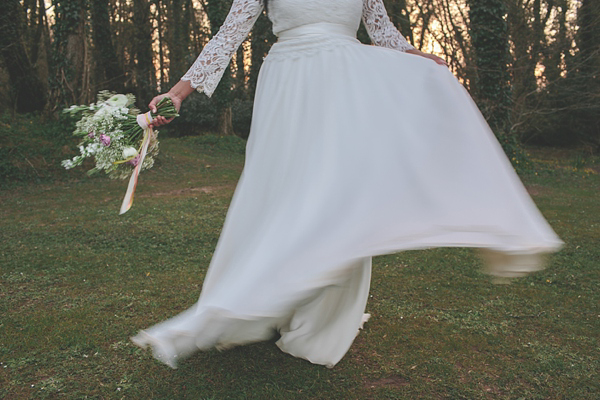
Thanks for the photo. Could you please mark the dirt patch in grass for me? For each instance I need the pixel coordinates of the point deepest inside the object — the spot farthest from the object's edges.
(190, 191)
(394, 381)
(539, 190)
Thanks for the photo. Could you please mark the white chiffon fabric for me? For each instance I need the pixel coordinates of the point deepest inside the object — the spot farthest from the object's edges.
(354, 151)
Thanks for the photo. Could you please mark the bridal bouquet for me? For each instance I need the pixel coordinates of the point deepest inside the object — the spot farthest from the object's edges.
(118, 136)
(111, 133)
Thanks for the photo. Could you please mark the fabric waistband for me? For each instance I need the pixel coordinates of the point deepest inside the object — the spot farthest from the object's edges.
(319, 28)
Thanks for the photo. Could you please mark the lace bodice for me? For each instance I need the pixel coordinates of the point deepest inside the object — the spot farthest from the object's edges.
(207, 70)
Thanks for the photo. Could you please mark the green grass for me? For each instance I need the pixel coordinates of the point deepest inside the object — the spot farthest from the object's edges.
(77, 281)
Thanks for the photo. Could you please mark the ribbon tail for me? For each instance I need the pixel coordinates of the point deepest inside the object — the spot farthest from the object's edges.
(128, 200)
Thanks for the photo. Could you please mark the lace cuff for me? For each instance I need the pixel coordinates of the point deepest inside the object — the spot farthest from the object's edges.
(381, 30)
(207, 70)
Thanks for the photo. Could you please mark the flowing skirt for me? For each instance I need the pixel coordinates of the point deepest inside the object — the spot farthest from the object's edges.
(354, 151)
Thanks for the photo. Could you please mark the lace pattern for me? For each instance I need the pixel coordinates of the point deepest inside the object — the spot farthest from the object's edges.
(381, 30)
(207, 70)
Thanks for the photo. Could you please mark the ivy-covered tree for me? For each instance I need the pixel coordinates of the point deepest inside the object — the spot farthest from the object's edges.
(587, 73)
(489, 37)
(71, 81)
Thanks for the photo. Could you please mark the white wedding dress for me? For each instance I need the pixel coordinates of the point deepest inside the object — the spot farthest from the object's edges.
(354, 151)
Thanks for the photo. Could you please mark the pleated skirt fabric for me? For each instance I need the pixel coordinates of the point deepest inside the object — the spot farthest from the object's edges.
(354, 151)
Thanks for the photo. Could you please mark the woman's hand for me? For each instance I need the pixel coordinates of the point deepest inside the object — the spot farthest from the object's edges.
(177, 94)
(159, 120)
(433, 57)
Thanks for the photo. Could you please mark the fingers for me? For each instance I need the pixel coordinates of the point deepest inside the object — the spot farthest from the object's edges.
(440, 61)
(159, 120)
(154, 102)
(152, 105)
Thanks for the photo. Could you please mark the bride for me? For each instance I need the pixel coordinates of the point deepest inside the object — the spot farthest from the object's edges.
(354, 151)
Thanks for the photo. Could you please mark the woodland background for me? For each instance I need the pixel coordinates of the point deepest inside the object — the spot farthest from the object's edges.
(76, 280)
(532, 65)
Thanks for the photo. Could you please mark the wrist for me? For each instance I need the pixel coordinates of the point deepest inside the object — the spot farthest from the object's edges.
(180, 91)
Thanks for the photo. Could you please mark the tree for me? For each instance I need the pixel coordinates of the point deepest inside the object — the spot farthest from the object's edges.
(109, 73)
(28, 92)
(261, 39)
(71, 81)
(181, 12)
(489, 38)
(586, 73)
(451, 21)
(217, 11)
(144, 72)
(564, 109)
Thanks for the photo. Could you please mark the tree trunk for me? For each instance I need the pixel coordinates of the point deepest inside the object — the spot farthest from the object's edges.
(240, 75)
(27, 90)
(70, 55)
(144, 73)
(226, 122)
(46, 35)
(261, 40)
(176, 56)
(588, 37)
(587, 75)
(217, 11)
(109, 74)
(490, 43)
(559, 49)
(523, 81)
(161, 40)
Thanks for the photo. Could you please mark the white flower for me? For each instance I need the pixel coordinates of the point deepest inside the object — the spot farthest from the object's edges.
(68, 164)
(129, 152)
(118, 100)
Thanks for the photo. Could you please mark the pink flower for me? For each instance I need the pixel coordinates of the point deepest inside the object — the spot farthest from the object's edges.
(134, 161)
(105, 139)
(91, 135)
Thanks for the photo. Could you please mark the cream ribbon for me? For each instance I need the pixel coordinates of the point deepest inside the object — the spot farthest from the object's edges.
(143, 120)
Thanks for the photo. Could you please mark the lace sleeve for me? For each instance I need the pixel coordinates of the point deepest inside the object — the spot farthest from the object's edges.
(381, 30)
(210, 65)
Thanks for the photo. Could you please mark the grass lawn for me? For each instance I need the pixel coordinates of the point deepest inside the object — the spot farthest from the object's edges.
(77, 280)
